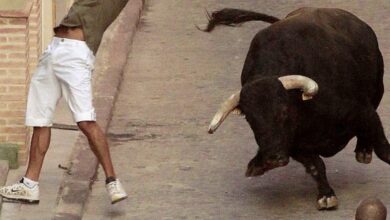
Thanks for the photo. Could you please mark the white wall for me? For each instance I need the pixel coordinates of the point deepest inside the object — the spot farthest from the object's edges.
(52, 13)
(47, 22)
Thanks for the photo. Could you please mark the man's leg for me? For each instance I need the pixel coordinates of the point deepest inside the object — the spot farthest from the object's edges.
(27, 190)
(73, 68)
(39, 144)
(43, 95)
(98, 143)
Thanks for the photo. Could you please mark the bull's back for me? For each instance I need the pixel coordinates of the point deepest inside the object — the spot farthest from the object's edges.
(332, 46)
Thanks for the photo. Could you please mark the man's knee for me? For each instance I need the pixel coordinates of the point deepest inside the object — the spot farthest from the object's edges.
(41, 130)
(86, 126)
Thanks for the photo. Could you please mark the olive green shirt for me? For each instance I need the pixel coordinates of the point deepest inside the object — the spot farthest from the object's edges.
(94, 16)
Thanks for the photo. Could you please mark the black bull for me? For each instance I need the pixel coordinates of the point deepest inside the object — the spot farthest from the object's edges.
(329, 51)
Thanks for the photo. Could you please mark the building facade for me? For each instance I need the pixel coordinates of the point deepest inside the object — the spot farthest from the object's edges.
(25, 29)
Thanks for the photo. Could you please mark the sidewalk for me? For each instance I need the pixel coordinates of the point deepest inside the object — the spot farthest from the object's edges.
(58, 153)
(62, 196)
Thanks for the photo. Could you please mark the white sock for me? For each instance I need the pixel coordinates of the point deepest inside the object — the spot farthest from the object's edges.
(29, 183)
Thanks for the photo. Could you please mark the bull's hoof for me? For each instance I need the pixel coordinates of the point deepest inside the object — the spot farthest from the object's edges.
(327, 203)
(364, 157)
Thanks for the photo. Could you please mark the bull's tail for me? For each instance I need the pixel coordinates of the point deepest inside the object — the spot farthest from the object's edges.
(230, 16)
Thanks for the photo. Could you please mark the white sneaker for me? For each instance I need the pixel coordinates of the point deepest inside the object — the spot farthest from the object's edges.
(115, 191)
(20, 192)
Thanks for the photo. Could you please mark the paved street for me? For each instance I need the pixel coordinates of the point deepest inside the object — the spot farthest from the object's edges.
(174, 82)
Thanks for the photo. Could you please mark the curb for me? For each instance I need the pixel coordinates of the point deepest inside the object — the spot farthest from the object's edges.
(75, 187)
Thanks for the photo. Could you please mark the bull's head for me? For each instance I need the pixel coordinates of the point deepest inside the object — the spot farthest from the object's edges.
(270, 112)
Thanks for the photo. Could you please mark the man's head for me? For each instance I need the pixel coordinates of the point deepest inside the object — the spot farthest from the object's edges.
(371, 209)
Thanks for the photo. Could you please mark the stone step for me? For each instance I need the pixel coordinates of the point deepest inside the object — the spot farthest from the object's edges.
(9, 152)
(3, 175)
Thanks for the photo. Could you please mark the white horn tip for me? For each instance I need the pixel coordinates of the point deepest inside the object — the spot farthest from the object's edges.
(215, 123)
(226, 107)
(213, 127)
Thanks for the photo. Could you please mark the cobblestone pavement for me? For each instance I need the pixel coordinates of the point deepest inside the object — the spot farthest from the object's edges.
(175, 80)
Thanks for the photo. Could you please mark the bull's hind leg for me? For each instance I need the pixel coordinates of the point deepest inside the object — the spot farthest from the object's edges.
(363, 151)
(370, 129)
(316, 168)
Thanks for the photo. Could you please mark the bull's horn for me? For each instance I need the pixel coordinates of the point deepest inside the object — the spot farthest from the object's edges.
(307, 85)
(228, 106)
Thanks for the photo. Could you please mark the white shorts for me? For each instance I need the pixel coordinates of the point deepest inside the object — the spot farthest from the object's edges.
(64, 69)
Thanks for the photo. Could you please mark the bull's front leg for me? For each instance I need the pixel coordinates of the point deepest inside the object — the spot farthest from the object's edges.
(370, 129)
(316, 168)
(363, 151)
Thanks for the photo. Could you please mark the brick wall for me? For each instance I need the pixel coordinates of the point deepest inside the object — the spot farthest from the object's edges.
(19, 49)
